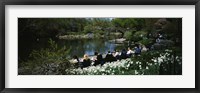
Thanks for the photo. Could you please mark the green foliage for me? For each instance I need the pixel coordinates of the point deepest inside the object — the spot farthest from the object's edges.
(49, 27)
(101, 22)
(88, 29)
(128, 35)
(53, 53)
(139, 35)
(146, 41)
(128, 23)
(150, 23)
(97, 25)
(43, 57)
(98, 33)
(34, 28)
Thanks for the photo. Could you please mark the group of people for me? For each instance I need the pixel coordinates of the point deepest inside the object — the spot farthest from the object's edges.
(98, 58)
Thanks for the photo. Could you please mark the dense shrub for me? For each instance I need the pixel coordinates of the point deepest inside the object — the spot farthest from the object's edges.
(88, 29)
(128, 35)
(139, 35)
(146, 41)
(51, 60)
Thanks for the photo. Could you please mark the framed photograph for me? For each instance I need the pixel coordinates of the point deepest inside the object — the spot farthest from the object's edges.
(99, 46)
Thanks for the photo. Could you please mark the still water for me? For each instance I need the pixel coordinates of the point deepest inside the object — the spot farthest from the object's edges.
(81, 47)
(77, 47)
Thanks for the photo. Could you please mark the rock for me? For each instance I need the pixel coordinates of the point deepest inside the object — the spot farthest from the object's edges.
(118, 41)
(80, 36)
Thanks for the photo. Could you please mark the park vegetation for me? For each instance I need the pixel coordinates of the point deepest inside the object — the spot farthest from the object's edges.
(166, 58)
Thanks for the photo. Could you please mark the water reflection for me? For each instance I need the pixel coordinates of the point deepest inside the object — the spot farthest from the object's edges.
(76, 47)
(81, 47)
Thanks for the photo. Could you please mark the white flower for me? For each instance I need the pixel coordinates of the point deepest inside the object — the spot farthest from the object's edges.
(136, 72)
(84, 68)
(140, 66)
(131, 62)
(150, 64)
(160, 60)
(147, 67)
(154, 60)
(102, 69)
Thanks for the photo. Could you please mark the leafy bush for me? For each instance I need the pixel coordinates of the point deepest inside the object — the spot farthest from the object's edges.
(128, 35)
(88, 29)
(146, 41)
(139, 35)
(53, 53)
(44, 60)
(100, 32)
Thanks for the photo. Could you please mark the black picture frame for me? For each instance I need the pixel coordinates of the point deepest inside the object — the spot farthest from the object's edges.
(3, 3)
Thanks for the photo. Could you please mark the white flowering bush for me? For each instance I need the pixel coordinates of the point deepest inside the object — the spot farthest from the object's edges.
(149, 63)
(112, 68)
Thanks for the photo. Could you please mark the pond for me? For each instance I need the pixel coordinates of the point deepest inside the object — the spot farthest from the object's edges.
(89, 46)
(77, 47)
